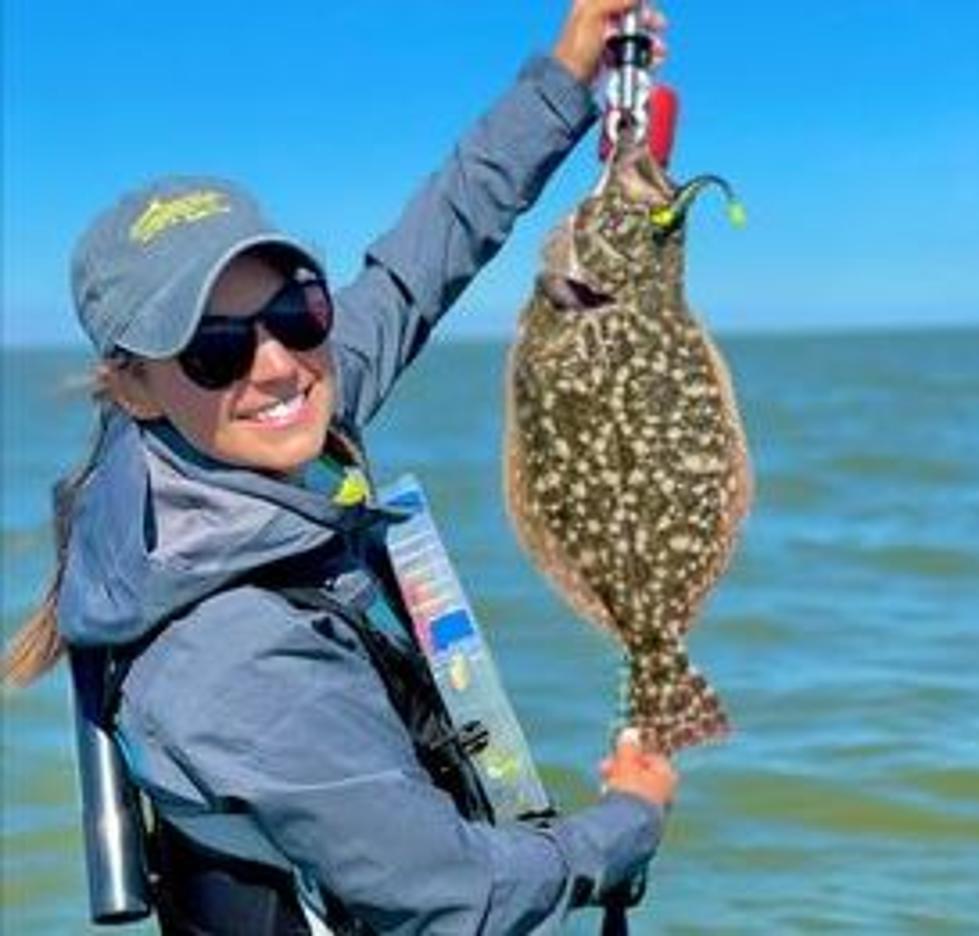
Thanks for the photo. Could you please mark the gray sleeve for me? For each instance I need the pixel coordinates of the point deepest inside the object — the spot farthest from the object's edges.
(454, 224)
(309, 745)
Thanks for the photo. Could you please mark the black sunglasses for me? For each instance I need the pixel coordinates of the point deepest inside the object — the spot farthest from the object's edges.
(299, 316)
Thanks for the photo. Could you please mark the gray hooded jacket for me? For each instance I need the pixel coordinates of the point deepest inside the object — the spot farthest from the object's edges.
(246, 701)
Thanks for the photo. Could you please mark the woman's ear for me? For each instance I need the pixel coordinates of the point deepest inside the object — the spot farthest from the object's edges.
(126, 384)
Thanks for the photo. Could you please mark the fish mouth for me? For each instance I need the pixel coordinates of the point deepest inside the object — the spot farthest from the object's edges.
(565, 281)
(567, 293)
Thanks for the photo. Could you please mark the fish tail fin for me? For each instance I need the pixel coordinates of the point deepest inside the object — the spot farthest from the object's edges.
(673, 705)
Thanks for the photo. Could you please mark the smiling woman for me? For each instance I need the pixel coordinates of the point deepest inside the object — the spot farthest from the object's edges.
(223, 565)
(254, 386)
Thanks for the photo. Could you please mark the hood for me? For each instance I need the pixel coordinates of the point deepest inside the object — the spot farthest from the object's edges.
(157, 527)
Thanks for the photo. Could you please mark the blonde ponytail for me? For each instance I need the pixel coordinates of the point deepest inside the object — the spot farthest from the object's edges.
(38, 645)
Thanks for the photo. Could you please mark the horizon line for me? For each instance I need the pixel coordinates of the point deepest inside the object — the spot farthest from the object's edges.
(808, 330)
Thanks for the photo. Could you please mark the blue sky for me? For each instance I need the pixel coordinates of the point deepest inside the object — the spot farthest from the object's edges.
(851, 130)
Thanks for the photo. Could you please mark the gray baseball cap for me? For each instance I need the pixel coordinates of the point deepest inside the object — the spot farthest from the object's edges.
(142, 272)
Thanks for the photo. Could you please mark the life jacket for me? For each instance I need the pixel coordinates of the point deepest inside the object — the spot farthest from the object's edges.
(205, 890)
(216, 872)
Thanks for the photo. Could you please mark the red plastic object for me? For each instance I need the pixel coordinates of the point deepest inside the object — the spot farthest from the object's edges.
(663, 108)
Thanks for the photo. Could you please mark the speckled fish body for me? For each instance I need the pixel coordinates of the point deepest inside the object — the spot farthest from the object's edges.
(626, 467)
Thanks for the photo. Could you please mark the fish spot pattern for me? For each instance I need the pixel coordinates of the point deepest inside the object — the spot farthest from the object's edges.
(627, 468)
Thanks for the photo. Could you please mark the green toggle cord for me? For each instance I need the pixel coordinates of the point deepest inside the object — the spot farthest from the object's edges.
(737, 214)
(667, 216)
(346, 485)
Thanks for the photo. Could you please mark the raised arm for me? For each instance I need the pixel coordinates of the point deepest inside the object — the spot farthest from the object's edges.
(454, 224)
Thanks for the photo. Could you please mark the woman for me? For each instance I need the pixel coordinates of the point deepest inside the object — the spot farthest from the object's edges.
(189, 537)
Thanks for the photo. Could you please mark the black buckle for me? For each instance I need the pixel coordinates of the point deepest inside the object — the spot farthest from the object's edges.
(473, 737)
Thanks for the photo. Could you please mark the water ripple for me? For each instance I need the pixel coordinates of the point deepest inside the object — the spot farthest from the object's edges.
(843, 640)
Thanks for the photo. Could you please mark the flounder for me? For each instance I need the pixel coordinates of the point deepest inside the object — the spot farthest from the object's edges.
(625, 461)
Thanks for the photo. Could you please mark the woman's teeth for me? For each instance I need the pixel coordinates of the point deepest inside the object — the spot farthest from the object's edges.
(280, 410)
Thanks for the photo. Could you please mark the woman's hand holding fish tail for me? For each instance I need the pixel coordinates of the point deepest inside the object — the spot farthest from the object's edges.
(582, 41)
(629, 769)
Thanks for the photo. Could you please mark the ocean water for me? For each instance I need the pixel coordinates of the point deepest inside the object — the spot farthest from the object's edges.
(844, 639)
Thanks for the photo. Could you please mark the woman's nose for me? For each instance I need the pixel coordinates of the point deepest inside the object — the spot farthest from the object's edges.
(273, 360)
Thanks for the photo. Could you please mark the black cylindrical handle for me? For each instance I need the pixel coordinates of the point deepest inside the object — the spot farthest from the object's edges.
(118, 883)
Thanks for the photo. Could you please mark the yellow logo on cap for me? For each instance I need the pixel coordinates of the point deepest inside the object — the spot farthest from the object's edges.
(161, 214)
